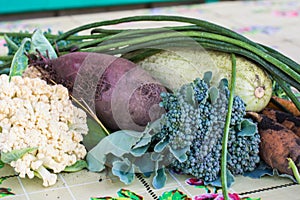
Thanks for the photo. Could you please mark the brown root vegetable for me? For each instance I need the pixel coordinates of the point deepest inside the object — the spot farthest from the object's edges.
(123, 95)
(277, 143)
(288, 120)
(280, 104)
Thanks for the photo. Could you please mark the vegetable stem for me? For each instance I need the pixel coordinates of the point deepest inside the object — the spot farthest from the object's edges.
(200, 23)
(255, 50)
(6, 58)
(294, 168)
(50, 36)
(88, 110)
(263, 54)
(226, 131)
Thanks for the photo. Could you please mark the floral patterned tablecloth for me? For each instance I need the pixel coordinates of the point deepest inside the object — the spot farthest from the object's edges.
(273, 23)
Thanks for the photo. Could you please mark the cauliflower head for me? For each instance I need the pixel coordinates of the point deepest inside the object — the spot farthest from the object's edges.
(40, 129)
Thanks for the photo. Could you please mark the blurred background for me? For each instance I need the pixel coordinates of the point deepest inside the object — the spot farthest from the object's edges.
(14, 10)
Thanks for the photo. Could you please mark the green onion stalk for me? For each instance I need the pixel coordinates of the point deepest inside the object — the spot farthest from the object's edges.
(211, 36)
(226, 130)
(281, 68)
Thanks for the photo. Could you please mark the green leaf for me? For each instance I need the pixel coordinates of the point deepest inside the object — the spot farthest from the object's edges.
(218, 183)
(156, 157)
(261, 170)
(155, 126)
(143, 144)
(161, 145)
(145, 164)
(265, 170)
(159, 179)
(41, 43)
(180, 154)
(94, 136)
(95, 163)
(15, 154)
(20, 60)
(207, 77)
(223, 84)
(189, 96)
(139, 151)
(79, 165)
(11, 43)
(124, 170)
(247, 128)
(213, 94)
(117, 143)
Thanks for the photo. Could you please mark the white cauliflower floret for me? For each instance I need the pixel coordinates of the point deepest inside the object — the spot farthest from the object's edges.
(48, 178)
(36, 115)
(22, 165)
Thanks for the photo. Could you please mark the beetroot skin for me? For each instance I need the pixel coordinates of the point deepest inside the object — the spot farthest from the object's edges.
(123, 95)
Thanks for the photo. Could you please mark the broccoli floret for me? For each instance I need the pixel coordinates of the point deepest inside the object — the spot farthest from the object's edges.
(238, 111)
(194, 121)
(242, 152)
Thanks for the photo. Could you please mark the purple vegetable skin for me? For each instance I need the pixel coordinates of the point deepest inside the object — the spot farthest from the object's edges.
(123, 95)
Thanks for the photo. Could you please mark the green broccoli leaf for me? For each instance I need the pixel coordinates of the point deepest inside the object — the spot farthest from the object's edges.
(180, 154)
(112, 144)
(15, 154)
(139, 150)
(261, 170)
(213, 94)
(145, 164)
(40, 42)
(159, 179)
(247, 128)
(161, 145)
(207, 77)
(218, 183)
(20, 60)
(11, 44)
(265, 170)
(124, 170)
(189, 96)
(143, 144)
(79, 165)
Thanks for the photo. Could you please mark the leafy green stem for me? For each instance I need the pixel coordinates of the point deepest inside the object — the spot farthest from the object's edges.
(294, 168)
(6, 58)
(263, 54)
(226, 130)
(51, 36)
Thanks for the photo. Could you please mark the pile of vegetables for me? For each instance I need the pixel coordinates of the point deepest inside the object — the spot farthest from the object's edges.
(155, 102)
